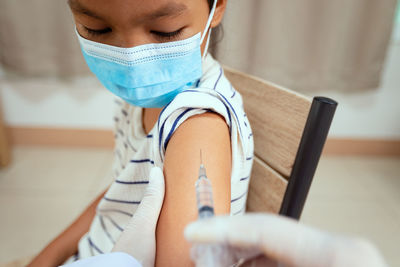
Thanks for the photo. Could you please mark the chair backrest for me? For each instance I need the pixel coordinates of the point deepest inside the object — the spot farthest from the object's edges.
(278, 119)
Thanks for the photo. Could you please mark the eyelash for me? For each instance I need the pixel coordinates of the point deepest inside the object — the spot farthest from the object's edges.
(167, 35)
(97, 32)
(159, 35)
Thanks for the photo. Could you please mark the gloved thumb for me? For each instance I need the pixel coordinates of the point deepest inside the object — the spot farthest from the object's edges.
(150, 206)
(143, 223)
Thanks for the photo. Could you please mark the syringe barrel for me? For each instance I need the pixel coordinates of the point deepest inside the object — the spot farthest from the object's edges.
(206, 255)
(205, 203)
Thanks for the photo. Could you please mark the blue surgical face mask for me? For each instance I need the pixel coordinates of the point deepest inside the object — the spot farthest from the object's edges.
(149, 75)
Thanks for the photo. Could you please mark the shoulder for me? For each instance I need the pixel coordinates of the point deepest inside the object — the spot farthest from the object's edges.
(207, 126)
(213, 94)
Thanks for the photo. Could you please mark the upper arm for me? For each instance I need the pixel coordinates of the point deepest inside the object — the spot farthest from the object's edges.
(209, 133)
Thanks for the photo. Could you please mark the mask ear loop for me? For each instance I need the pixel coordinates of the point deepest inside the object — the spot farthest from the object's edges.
(207, 43)
(210, 18)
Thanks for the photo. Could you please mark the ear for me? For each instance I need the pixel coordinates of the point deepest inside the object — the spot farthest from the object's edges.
(219, 13)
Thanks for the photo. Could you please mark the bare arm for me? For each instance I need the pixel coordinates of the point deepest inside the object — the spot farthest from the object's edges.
(209, 133)
(66, 244)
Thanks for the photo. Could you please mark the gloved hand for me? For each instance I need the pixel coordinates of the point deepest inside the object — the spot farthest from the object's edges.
(138, 238)
(279, 239)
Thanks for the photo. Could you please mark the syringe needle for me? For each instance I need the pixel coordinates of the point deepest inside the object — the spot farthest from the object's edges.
(201, 158)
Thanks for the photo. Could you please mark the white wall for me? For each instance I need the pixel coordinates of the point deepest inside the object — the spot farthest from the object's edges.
(83, 103)
(374, 113)
(78, 103)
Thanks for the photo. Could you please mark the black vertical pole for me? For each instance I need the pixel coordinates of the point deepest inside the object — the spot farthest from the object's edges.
(310, 149)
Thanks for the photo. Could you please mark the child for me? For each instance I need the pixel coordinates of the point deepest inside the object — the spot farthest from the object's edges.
(173, 101)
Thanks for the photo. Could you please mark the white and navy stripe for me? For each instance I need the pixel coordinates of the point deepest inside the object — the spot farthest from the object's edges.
(137, 152)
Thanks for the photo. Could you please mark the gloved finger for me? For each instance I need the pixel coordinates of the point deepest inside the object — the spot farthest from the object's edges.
(212, 255)
(285, 240)
(244, 231)
(279, 238)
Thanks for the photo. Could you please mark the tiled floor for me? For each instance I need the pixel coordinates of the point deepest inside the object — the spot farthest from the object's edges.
(45, 188)
(358, 196)
(43, 191)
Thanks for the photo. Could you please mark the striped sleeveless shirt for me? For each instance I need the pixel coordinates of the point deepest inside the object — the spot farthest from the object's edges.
(137, 152)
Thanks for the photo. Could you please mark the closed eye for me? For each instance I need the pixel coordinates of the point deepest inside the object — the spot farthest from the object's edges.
(97, 32)
(167, 35)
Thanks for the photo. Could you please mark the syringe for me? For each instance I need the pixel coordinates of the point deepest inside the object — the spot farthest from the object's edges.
(206, 255)
(204, 195)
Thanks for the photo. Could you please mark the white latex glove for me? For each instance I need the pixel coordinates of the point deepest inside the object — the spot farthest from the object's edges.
(279, 239)
(138, 238)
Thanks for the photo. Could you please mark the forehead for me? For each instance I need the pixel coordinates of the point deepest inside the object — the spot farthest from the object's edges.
(132, 8)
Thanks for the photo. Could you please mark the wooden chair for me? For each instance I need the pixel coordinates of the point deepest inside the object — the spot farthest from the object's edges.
(289, 132)
(4, 144)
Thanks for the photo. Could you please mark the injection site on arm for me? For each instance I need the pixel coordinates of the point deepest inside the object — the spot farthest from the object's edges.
(209, 133)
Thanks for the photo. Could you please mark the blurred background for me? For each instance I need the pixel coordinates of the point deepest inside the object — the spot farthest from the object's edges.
(56, 119)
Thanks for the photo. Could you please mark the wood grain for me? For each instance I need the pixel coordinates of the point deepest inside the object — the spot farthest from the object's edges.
(277, 116)
(5, 153)
(266, 190)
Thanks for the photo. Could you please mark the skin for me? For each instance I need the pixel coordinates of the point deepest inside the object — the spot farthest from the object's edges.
(129, 23)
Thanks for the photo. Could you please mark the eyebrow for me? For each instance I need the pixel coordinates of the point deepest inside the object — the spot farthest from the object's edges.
(169, 10)
(78, 7)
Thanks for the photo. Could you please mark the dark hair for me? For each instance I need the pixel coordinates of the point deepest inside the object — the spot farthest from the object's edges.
(210, 3)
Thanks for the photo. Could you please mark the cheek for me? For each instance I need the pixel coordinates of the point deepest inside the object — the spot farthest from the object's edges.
(199, 13)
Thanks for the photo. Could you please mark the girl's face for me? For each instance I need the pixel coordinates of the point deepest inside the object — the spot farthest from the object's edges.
(129, 23)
